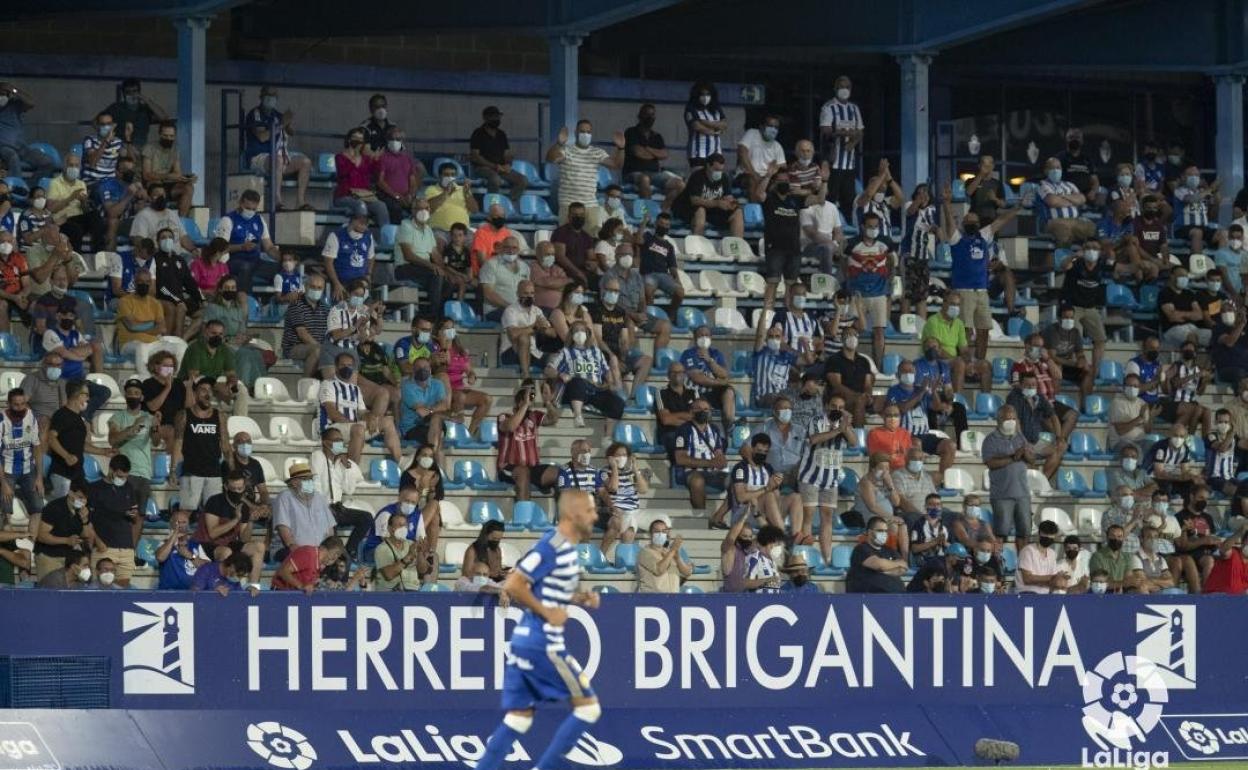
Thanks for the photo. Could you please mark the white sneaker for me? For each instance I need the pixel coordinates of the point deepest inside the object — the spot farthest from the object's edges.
(580, 421)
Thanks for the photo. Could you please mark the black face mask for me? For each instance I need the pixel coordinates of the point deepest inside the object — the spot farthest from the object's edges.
(1114, 545)
(1045, 541)
(494, 122)
(345, 372)
(421, 374)
(760, 457)
(745, 544)
(215, 341)
(646, 121)
(166, 143)
(230, 295)
(702, 417)
(1150, 156)
(1189, 355)
(134, 403)
(526, 302)
(970, 229)
(4, 198)
(800, 579)
(577, 222)
(808, 396)
(159, 204)
(1200, 505)
(1074, 146)
(1152, 355)
(127, 177)
(67, 323)
(142, 289)
(939, 587)
(493, 544)
(661, 231)
(834, 416)
(234, 497)
(782, 189)
(1071, 555)
(931, 354)
(498, 222)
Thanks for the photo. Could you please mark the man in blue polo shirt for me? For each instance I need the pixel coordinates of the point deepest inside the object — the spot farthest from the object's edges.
(80, 354)
(348, 253)
(425, 403)
(114, 199)
(248, 234)
(708, 375)
(915, 400)
(180, 555)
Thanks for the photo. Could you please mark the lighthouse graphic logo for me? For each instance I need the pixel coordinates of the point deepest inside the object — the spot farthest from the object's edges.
(158, 652)
(1168, 641)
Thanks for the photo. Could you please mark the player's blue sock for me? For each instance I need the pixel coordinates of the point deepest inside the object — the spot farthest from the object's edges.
(498, 747)
(569, 732)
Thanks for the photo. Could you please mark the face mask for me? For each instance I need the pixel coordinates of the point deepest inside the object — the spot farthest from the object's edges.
(1193, 182)
(784, 415)
(773, 345)
(159, 204)
(166, 143)
(879, 537)
(915, 466)
(970, 229)
(1124, 180)
(247, 213)
(770, 133)
(1054, 175)
(422, 216)
(1008, 427)
(498, 222)
(142, 289)
(407, 508)
(107, 578)
(1068, 323)
(508, 258)
(1045, 541)
(953, 311)
(315, 294)
(626, 261)
(578, 337)
(548, 262)
(1189, 355)
(447, 182)
(106, 130)
(1091, 255)
(645, 121)
(583, 138)
(118, 481)
(133, 403)
(423, 337)
(53, 372)
(577, 297)
(1199, 505)
(931, 354)
(165, 371)
(576, 222)
(851, 343)
(760, 458)
(229, 294)
(1029, 393)
(77, 503)
(338, 447)
(224, 258)
(715, 175)
(804, 162)
(1099, 587)
(799, 302)
(704, 342)
(583, 458)
(39, 203)
(345, 373)
(356, 300)
(72, 172)
(987, 588)
(244, 450)
(610, 297)
(1126, 502)
(65, 323)
(873, 232)
(1236, 243)
(448, 334)
(1181, 282)
(776, 552)
(289, 267)
(704, 99)
(620, 461)
(425, 462)
(1152, 355)
(526, 302)
(1223, 427)
(1129, 464)
(6, 248)
(907, 378)
(84, 575)
(702, 417)
(615, 204)
(1215, 286)
(842, 94)
(215, 342)
(983, 557)
(1177, 441)
(1131, 391)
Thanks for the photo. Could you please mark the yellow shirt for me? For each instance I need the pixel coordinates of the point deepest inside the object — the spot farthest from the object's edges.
(450, 212)
(139, 310)
(59, 190)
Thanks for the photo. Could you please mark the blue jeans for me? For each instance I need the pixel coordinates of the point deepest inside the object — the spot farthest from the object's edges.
(24, 488)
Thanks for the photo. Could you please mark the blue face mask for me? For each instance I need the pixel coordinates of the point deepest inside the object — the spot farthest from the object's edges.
(53, 372)
(338, 447)
(356, 300)
(770, 133)
(1054, 175)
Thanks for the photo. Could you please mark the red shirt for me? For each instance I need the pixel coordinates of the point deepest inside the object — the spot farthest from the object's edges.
(894, 443)
(306, 559)
(1228, 576)
(396, 169)
(520, 447)
(352, 175)
(11, 270)
(1044, 383)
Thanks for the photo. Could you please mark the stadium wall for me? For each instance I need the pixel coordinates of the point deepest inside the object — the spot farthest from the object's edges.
(686, 682)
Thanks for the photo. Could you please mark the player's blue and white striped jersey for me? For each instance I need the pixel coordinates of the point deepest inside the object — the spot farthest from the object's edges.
(554, 571)
(17, 443)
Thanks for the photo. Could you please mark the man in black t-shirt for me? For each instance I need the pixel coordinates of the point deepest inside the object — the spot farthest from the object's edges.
(674, 408)
(850, 376)
(644, 153)
(491, 155)
(1181, 315)
(782, 231)
(255, 490)
(67, 439)
(706, 199)
(874, 568)
(659, 265)
(64, 528)
(1084, 291)
(113, 511)
(619, 335)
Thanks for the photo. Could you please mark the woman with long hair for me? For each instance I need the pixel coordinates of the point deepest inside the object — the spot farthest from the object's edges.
(487, 549)
(356, 174)
(425, 476)
(706, 123)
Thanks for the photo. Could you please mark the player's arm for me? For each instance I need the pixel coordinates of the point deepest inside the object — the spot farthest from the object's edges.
(520, 590)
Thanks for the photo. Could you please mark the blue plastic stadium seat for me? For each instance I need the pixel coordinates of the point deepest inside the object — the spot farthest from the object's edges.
(643, 205)
(849, 483)
(1095, 409)
(663, 358)
(499, 199)
(1072, 483)
(325, 165)
(521, 515)
(753, 216)
(530, 173)
(53, 154)
(488, 432)
(744, 409)
(11, 349)
(1110, 372)
(1084, 445)
(151, 512)
(463, 315)
(457, 436)
(626, 556)
(890, 363)
(160, 467)
(689, 318)
(389, 237)
(987, 404)
(738, 436)
(1001, 368)
(605, 177)
(643, 401)
(653, 311)
(481, 511)
(255, 314)
(534, 208)
(1119, 296)
(841, 555)
(636, 439)
(1019, 327)
(145, 549)
(540, 522)
(1100, 483)
(193, 232)
(741, 362)
(592, 559)
(385, 472)
(473, 474)
(91, 468)
(959, 190)
(1148, 298)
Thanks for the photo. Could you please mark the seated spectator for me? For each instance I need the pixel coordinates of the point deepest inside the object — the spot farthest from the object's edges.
(355, 174)
(622, 485)
(30, 225)
(519, 459)
(1038, 569)
(453, 364)
(1229, 573)
(660, 269)
(1157, 577)
(105, 575)
(759, 153)
(526, 335)
(972, 530)
(1182, 318)
(573, 245)
(157, 216)
(569, 307)
(248, 237)
(140, 317)
(890, 439)
(68, 200)
(287, 283)
(928, 536)
(398, 174)
(661, 567)
(549, 279)
(1063, 200)
(1122, 571)
(378, 367)
(180, 555)
(873, 566)
(914, 486)
(479, 582)
(708, 375)
(489, 236)
(74, 573)
(136, 110)
(1194, 199)
(484, 554)
(1064, 345)
(947, 330)
(491, 156)
(21, 458)
(104, 149)
(424, 404)
(762, 563)
(451, 202)
(1074, 561)
(916, 401)
(337, 478)
(226, 521)
(1129, 473)
(123, 269)
(422, 258)
(881, 195)
(210, 358)
(115, 198)
(798, 572)
(1124, 513)
(14, 279)
(424, 478)
(1171, 465)
(163, 166)
(699, 460)
(932, 578)
(868, 270)
(918, 248)
(457, 259)
(175, 287)
(351, 321)
(1198, 541)
(301, 569)
(587, 379)
(15, 152)
(1035, 418)
(343, 406)
(305, 326)
(631, 287)
(225, 575)
(1130, 417)
(301, 514)
(707, 198)
(851, 376)
(618, 335)
(348, 255)
(1185, 382)
(1230, 257)
(501, 277)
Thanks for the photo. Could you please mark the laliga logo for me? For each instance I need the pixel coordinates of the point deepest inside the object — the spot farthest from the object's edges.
(280, 746)
(1123, 699)
(1199, 737)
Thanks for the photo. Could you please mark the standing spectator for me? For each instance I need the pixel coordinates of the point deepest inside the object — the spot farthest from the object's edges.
(248, 237)
(1151, 170)
(874, 568)
(782, 230)
(1083, 291)
(130, 432)
(821, 471)
(699, 459)
(491, 156)
(1038, 570)
(45, 390)
(301, 514)
(622, 487)
(140, 316)
(305, 326)
(1077, 168)
(659, 268)
(64, 528)
(573, 244)
(1181, 315)
(823, 233)
(21, 458)
(67, 439)
(578, 169)
(1063, 200)
(1223, 458)
(1196, 199)
(1185, 383)
(851, 376)
(985, 191)
(644, 153)
(164, 394)
(398, 175)
(1157, 575)
(1007, 454)
(706, 124)
(518, 455)
(918, 249)
(199, 442)
(229, 307)
(337, 477)
(770, 364)
(354, 191)
(269, 131)
(103, 149)
(14, 151)
(1229, 351)
(179, 554)
(1036, 415)
(841, 127)
(136, 110)
(162, 165)
(759, 154)
(660, 565)
(68, 200)
(869, 267)
(708, 375)
(451, 202)
(343, 405)
(378, 124)
(113, 512)
(707, 199)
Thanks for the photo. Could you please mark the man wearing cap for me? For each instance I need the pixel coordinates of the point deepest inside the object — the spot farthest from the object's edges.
(660, 565)
(799, 576)
(301, 515)
(80, 354)
(491, 155)
(348, 254)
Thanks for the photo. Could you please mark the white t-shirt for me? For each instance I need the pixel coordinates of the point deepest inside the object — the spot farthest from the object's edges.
(1078, 569)
(762, 152)
(148, 222)
(516, 315)
(578, 174)
(825, 217)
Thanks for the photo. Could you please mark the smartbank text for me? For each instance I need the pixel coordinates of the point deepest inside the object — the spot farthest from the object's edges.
(413, 648)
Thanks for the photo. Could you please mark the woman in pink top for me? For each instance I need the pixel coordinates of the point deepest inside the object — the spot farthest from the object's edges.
(356, 180)
(211, 266)
(453, 365)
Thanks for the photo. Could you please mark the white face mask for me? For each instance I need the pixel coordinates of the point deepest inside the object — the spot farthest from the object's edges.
(1222, 427)
(1099, 587)
(422, 216)
(548, 261)
(1215, 286)
(610, 297)
(1131, 391)
(1126, 502)
(659, 539)
(704, 342)
(1177, 441)
(39, 203)
(773, 345)
(6, 248)
(578, 337)
(407, 508)
(576, 297)
(842, 94)
(873, 232)
(584, 138)
(851, 343)
(776, 552)
(625, 261)
(480, 580)
(1129, 464)
(1236, 244)
(799, 302)
(1228, 318)
(84, 575)
(449, 334)
(704, 99)
(907, 378)
(425, 462)
(247, 213)
(583, 458)
(1008, 427)
(954, 311)
(1068, 323)
(107, 578)
(394, 145)
(879, 537)
(915, 466)
(167, 245)
(1029, 393)
(307, 486)
(72, 173)
(620, 461)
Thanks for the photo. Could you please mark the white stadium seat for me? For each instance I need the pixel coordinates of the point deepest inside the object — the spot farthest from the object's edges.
(270, 474)
(823, 286)
(541, 236)
(1038, 483)
(1059, 516)
(717, 284)
(751, 283)
(288, 431)
(453, 519)
(1199, 266)
(10, 379)
(1089, 520)
(307, 391)
(271, 390)
(729, 318)
(701, 249)
(99, 378)
(737, 250)
(237, 424)
(908, 323)
(971, 442)
(688, 285)
(771, 315)
(956, 478)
